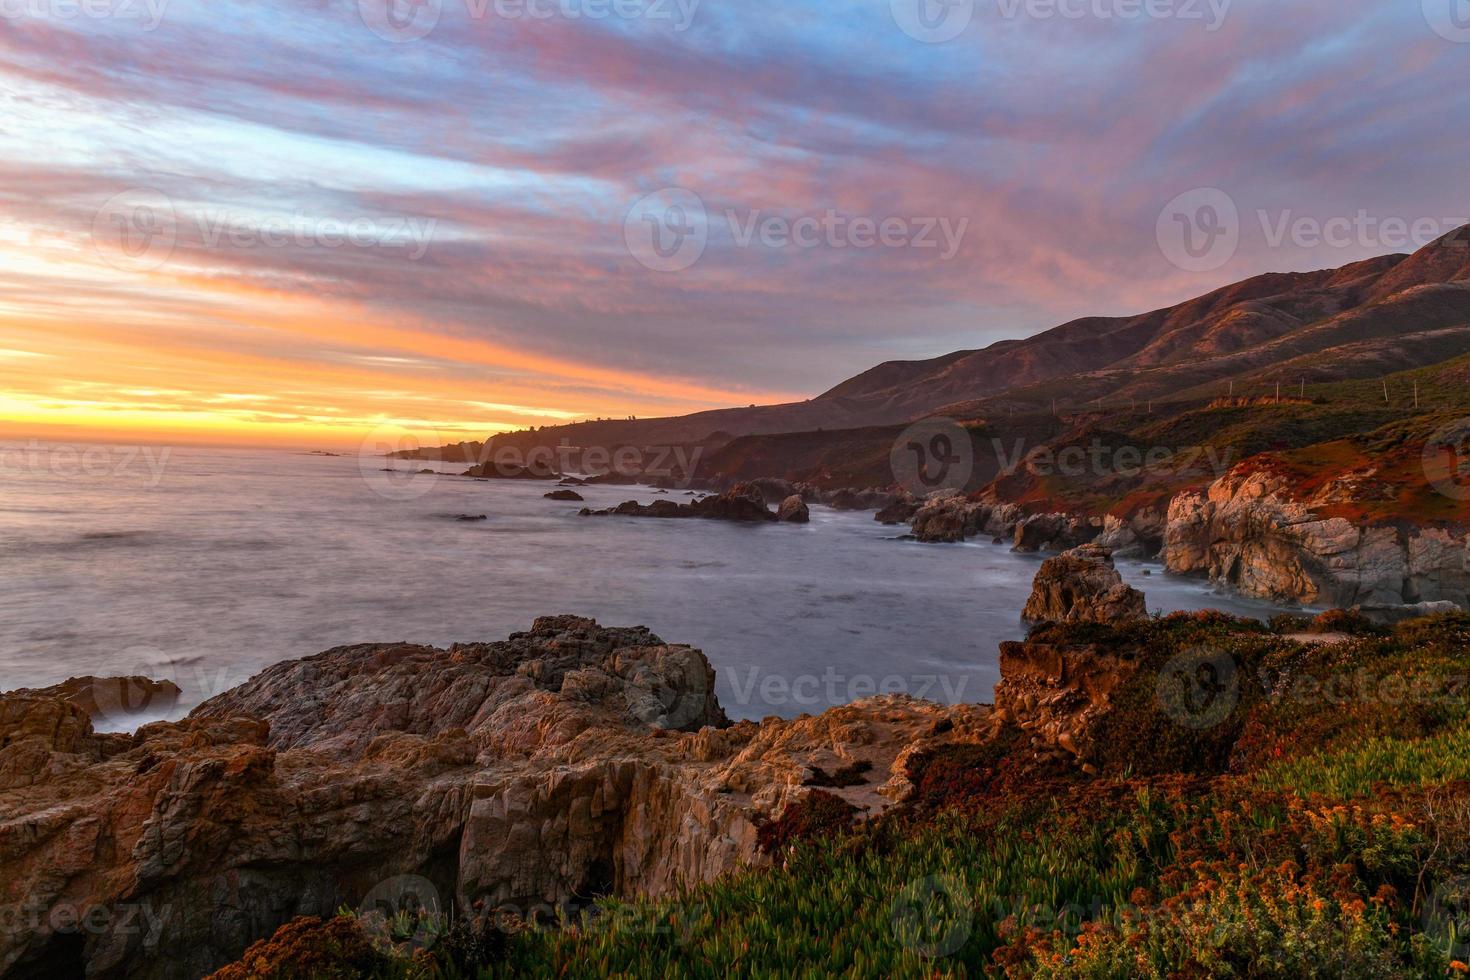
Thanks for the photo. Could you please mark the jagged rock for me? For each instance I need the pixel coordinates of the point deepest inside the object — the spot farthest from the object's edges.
(1059, 693)
(794, 511)
(571, 495)
(1139, 536)
(561, 763)
(1249, 532)
(1082, 585)
(949, 517)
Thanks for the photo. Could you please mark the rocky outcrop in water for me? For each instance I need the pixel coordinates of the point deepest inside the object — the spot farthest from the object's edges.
(794, 511)
(1249, 531)
(563, 763)
(745, 502)
(1082, 585)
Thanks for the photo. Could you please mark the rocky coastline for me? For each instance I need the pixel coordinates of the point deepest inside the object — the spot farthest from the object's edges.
(568, 761)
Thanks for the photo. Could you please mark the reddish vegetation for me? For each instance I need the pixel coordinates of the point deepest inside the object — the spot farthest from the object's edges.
(310, 949)
(821, 814)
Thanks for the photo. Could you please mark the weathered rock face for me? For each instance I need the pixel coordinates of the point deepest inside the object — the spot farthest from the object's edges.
(794, 511)
(950, 517)
(1058, 693)
(570, 495)
(1249, 532)
(568, 761)
(1082, 585)
(1139, 536)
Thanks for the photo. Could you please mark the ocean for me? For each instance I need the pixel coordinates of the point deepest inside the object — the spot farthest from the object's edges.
(203, 566)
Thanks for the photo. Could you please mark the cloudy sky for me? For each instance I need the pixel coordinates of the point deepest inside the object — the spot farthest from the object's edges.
(296, 220)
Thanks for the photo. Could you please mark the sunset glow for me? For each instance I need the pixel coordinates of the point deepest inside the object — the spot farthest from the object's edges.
(343, 231)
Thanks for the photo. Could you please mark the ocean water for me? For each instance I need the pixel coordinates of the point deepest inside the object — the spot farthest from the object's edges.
(205, 566)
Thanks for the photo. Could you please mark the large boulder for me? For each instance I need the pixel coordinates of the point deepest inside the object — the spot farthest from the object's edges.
(1082, 585)
(794, 511)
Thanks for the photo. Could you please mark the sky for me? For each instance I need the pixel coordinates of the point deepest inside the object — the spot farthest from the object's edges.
(301, 221)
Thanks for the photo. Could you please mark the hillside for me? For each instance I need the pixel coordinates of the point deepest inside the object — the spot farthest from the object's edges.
(1388, 314)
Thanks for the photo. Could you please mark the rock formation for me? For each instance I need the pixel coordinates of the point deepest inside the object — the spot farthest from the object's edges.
(794, 511)
(565, 762)
(1082, 585)
(744, 502)
(1249, 531)
(569, 495)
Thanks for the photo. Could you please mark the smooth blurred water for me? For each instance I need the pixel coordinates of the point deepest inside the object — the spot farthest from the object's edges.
(204, 566)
